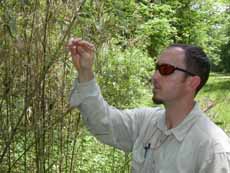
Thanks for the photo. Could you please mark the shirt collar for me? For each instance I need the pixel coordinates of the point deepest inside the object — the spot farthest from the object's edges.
(182, 129)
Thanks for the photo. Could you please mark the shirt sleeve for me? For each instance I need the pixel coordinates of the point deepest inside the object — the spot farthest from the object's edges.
(220, 163)
(119, 128)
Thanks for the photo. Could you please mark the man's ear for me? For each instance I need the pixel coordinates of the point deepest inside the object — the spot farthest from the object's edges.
(194, 82)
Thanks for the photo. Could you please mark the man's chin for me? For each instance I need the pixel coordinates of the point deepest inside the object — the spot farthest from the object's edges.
(157, 101)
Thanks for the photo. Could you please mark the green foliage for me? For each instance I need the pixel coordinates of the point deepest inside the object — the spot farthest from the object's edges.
(225, 58)
(156, 31)
(124, 76)
(224, 64)
(201, 23)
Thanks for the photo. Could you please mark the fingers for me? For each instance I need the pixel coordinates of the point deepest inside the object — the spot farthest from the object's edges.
(82, 53)
(76, 61)
(75, 57)
(86, 45)
(75, 43)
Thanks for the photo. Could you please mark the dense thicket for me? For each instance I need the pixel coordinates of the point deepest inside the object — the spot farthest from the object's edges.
(39, 132)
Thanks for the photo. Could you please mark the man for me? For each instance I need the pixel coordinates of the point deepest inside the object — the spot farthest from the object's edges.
(177, 139)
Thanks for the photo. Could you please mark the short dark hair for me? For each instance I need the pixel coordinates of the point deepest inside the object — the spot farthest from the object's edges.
(196, 61)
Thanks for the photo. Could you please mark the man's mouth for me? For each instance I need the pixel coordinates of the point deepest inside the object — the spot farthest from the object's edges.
(155, 89)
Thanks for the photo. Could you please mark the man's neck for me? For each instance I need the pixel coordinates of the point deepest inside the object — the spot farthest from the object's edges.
(177, 112)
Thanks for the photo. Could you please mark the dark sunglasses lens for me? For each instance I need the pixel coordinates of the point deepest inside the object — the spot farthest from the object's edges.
(166, 69)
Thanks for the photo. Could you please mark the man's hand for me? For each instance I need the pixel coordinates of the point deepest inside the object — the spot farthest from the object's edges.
(82, 53)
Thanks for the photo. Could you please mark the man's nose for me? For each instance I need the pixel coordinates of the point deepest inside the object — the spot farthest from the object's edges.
(155, 75)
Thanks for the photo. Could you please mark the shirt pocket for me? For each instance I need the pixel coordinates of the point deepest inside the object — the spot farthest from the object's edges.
(150, 164)
(143, 160)
(138, 159)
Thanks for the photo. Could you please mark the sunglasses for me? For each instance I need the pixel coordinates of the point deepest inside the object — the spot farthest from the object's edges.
(167, 69)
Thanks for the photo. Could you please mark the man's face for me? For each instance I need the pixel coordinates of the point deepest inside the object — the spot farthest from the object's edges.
(170, 88)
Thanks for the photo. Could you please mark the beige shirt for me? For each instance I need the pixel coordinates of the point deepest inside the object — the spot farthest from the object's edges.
(196, 145)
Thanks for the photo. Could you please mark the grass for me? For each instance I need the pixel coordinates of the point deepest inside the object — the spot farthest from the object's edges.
(215, 98)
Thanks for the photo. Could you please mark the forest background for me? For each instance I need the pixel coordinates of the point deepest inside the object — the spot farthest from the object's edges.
(39, 132)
